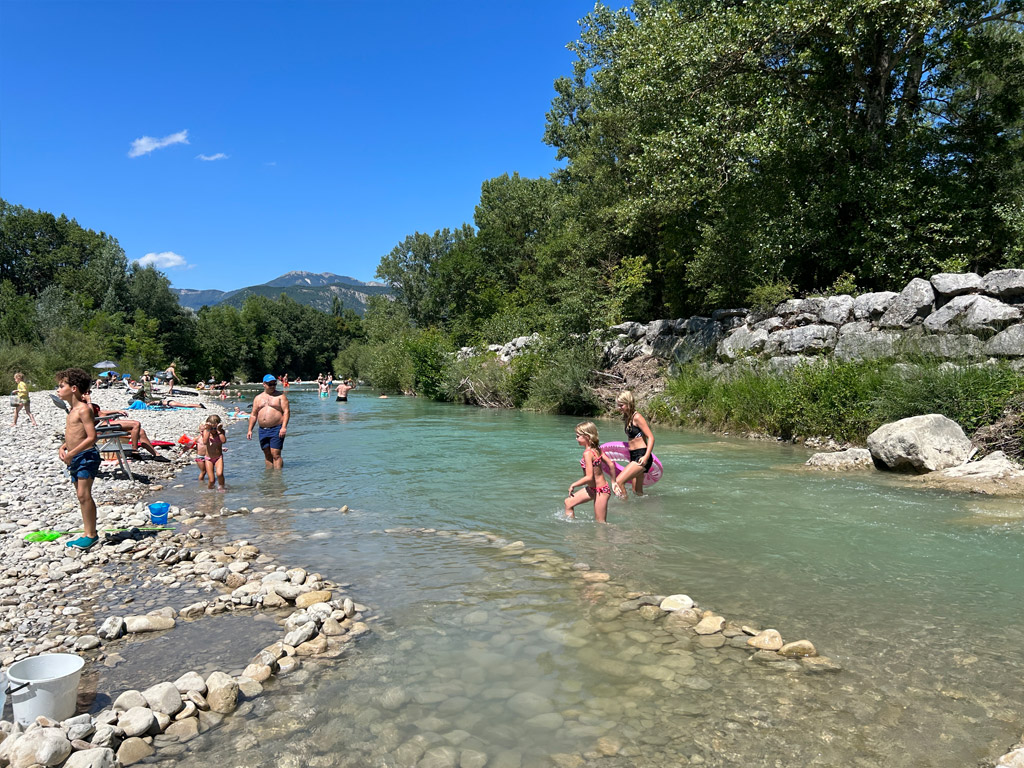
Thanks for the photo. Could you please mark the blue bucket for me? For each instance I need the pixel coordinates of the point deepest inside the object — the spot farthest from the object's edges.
(158, 513)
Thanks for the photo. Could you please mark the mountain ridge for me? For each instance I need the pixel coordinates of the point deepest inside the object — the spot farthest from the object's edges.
(316, 289)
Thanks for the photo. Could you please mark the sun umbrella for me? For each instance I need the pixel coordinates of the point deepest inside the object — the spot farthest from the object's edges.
(109, 373)
(105, 364)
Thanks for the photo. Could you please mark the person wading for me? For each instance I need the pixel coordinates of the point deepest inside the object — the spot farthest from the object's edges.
(270, 409)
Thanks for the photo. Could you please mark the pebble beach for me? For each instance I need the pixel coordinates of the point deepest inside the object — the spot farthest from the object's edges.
(136, 582)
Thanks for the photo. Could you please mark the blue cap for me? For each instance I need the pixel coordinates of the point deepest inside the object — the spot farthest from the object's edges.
(269, 378)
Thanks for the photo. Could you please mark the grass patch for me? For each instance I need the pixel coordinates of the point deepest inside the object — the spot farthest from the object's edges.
(845, 401)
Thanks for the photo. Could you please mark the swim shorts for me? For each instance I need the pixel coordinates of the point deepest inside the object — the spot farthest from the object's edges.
(84, 465)
(341, 400)
(270, 437)
(637, 454)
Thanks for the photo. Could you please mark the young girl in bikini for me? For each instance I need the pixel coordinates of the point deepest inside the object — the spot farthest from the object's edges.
(202, 455)
(213, 437)
(595, 487)
(641, 446)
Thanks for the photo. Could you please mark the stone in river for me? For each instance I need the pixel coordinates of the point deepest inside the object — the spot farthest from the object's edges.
(100, 757)
(798, 649)
(137, 721)
(163, 697)
(312, 598)
(440, 757)
(651, 612)
(676, 603)
(184, 730)
(129, 699)
(766, 640)
(393, 697)
(716, 640)
(139, 624)
(45, 746)
(550, 721)
(190, 681)
(222, 693)
(596, 576)
(528, 704)
(821, 664)
(768, 657)
(133, 750)
(709, 625)
(470, 758)
(112, 628)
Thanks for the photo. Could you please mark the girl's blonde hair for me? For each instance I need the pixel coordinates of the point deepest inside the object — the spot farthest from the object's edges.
(19, 376)
(213, 419)
(626, 398)
(589, 430)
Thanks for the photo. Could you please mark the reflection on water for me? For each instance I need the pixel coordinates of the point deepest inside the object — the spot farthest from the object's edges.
(512, 656)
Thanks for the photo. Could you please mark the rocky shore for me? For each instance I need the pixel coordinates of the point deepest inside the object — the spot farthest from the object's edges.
(49, 596)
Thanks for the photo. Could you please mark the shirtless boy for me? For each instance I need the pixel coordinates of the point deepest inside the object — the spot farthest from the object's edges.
(270, 409)
(343, 389)
(78, 451)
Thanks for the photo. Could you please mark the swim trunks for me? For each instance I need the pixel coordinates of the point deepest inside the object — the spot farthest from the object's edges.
(270, 437)
(84, 465)
(341, 400)
(637, 454)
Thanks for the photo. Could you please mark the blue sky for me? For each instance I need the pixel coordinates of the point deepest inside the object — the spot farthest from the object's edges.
(247, 139)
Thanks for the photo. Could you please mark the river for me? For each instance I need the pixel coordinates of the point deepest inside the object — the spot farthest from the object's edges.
(504, 657)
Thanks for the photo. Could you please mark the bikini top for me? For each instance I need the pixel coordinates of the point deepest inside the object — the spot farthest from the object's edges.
(214, 437)
(597, 462)
(633, 431)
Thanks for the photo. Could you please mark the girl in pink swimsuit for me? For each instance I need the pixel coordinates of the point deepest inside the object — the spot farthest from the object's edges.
(213, 437)
(594, 463)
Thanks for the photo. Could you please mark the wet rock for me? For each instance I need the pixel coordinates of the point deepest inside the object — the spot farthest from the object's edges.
(112, 628)
(768, 657)
(313, 647)
(766, 640)
(651, 612)
(129, 699)
(549, 721)
(44, 746)
(596, 576)
(470, 758)
(841, 461)
(87, 643)
(921, 443)
(676, 603)
(798, 649)
(248, 687)
(163, 697)
(709, 625)
(190, 681)
(819, 664)
(527, 704)
(107, 736)
(221, 693)
(137, 721)
(685, 618)
(184, 730)
(92, 758)
(312, 598)
(440, 757)
(133, 750)
(301, 635)
(140, 624)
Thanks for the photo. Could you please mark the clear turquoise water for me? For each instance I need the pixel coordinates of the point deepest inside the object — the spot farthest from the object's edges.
(913, 592)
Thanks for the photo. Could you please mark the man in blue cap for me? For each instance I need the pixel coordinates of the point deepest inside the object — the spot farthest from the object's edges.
(270, 409)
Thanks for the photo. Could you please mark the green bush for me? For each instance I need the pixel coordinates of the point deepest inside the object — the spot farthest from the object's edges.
(767, 296)
(481, 380)
(430, 352)
(562, 383)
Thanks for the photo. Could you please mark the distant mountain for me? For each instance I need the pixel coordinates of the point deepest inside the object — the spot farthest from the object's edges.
(316, 278)
(317, 289)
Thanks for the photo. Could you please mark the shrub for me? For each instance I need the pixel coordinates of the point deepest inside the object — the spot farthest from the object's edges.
(767, 296)
(562, 383)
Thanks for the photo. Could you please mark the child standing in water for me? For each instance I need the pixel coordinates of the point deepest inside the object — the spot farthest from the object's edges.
(595, 487)
(202, 454)
(214, 437)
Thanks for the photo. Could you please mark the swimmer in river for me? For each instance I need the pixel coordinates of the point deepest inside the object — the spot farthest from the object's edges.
(595, 487)
(641, 446)
(270, 408)
(343, 389)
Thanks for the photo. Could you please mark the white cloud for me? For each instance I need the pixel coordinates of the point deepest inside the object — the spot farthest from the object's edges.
(147, 144)
(164, 260)
(211, 158)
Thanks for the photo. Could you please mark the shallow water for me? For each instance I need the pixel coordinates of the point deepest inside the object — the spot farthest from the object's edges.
(508, 653)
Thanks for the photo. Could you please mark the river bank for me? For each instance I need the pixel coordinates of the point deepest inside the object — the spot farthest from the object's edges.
(138, 583)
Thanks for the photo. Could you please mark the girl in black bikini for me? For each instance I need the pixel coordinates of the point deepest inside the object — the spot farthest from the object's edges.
(595, 487)
(641, 446)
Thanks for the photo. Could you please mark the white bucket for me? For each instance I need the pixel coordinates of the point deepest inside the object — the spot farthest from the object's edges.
(45, 685)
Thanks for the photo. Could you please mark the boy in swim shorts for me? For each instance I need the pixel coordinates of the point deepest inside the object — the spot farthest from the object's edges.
(78, 451)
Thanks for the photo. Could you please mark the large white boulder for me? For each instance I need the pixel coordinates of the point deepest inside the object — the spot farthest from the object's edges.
(920, 443)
